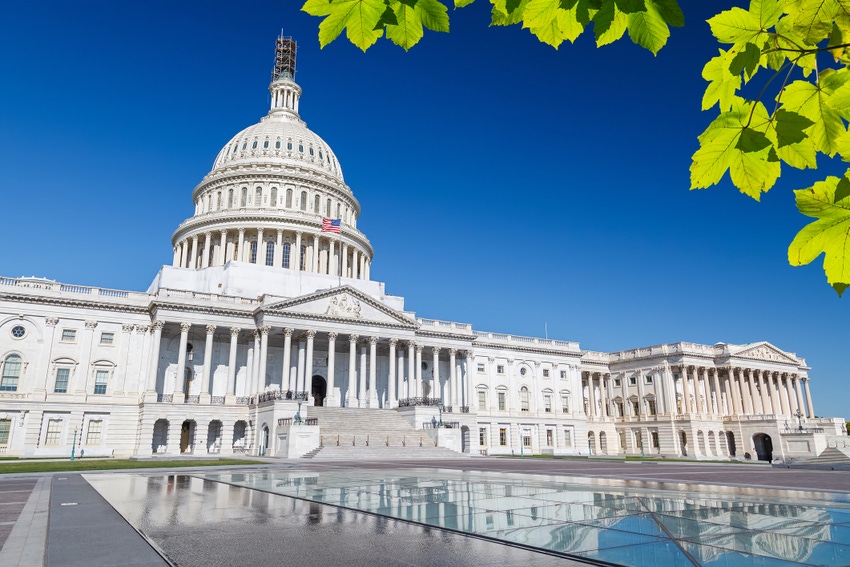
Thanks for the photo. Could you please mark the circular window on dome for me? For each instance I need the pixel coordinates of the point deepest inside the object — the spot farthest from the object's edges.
(522, 371)
(19, 331)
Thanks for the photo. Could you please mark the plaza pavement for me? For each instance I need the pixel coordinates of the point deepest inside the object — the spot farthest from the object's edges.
(59, 520)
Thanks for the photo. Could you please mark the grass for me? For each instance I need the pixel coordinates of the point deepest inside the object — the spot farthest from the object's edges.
(27, 466)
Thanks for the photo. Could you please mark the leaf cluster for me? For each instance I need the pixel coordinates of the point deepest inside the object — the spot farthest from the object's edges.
(781, 88)
(552, 21)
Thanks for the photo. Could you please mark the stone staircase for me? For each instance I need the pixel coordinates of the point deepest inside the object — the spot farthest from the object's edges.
(831, 456)
(379, 434)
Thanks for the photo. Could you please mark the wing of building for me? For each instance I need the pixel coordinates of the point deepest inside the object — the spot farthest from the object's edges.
(268, 314)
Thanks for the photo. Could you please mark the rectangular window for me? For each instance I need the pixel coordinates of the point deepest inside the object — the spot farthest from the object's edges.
(547, 403)
(503, 437)
(632, 381)
(93, 433)
(5, 429)
(286, 249)
(655, 443)
(636, 407)
(480, 367)
(651, 404)
(482, 399)
(526, 438)
(61, 385)
(107, 338)
(648, 379)
(54, 431)
(550, 438)
(563, 374)
(69, 335)
(100, 378)
(545, 372)
(500, 369)
(568, 437)
(482, 437)
(617, 382)
(565, 403)
(502, 404)
(621, 410)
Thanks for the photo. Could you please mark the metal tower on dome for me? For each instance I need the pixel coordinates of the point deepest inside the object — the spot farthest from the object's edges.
(284, 57)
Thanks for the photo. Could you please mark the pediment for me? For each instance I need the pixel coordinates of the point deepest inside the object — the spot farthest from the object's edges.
(345, 304)
(765, 351)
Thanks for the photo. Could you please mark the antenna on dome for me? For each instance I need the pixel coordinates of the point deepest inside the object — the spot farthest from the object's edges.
(284, 57)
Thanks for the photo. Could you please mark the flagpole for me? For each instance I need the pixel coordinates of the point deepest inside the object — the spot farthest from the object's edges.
(339, 247)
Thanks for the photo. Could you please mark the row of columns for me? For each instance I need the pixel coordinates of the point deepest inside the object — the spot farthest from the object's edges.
(311, 253)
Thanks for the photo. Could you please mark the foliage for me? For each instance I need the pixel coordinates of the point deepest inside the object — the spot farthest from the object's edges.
(780, 85)
(27, 466)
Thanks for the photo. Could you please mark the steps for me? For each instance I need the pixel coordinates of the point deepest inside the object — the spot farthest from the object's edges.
(355, 433)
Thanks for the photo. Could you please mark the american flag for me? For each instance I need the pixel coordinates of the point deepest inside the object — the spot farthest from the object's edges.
(330, 225)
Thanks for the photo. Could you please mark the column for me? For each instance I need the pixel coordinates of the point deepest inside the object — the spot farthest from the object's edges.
(469, 360)
(361, 393)
(701, 395)
(797, 387)
(331, 399)
(782, 384)
(591, 395)
(402, 391)
(308, 375)
(240, 251)
(362, 266)
(809, 404)
(183, 253)
(205, 260)
(764, 395)
(354, 254)
(176, 261)
(373, 372)
(207, 376)
(351, 400)
(411, 366)
(286, 372)
(686, 390)
(297, 255)
(603, 394)
(344, 253)
(231, 364)
(181, 363)
(419, 390)
(222, 253)
(193, 253)
(436, 390)
(392, 402)
(671, 391)
(452, 376)
(332, 263)
(733, 400)
(156, 328)
(264, 351)
(299, 376)
(751, 392)
(715, 383)
(261, 248)
(315, 259)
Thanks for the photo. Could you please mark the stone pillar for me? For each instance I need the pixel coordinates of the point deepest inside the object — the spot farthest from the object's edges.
(315, 257)
(392, 402)
(373, 373)
(686, 390)
(436, 390)
(230, 394)
(734, 404)
(332, 263)
(361, 393)
(468, 359)
(354, 274)
(764, 393)
(715, 383)
(286, 373)
(809, 404)
(156, 329)
(332, 400)
(299, 376)
(591, 395)
(351, 400)
(701, 391)
(308, 375)
(297, 255)
(176, 260)
(411, 370)
(261, 248)
(240, 250)
(205, 261)
(278, 250)
(207, 376)
(344, 253)
(782, 384)
(419, 389)
(450, 387)
(751, 392)
(180, 376)
(798, 388)
(193, 253)
(222, 253)
(264, 352)
(254, 380)
(183, 252)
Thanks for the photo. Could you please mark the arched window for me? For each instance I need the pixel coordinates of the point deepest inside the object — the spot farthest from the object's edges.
(258, 197)
(303, 200)
(301, 148)
(269, 253)
(286, 249)
(289, 198)
(303, 257)
(230, 199)
(523, 399)
(244, 197)
(328, 208)
(277, 145)
(289, 145)
(317, 204)
(218, 202)
(254, 145)
(273, 198)
(265, 144)
(338, 211)
(11, 373)
(565, 401)
(254, 252)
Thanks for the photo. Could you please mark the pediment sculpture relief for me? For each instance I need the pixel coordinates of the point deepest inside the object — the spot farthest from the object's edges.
(765, 353)
(343, 306)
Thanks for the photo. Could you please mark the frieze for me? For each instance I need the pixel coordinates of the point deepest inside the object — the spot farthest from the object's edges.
(764, 352)
(343, 306)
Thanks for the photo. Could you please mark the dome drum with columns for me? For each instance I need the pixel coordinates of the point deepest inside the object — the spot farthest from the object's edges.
(263, 316)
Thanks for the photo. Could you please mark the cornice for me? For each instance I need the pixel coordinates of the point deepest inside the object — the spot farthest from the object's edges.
(76, 303)
(530, 350)
(204, 309)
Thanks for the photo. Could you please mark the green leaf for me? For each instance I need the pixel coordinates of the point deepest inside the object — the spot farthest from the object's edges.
(790, 127)
(648, 29)
(463, 3)
(671, 12)
(745, 61)
(829, 202)
(736, 26)
(809, 100)
(433, 15)
(552, 24)
(408, 31)
(813, 19)
(507, 13)
(767, 12)
(722, 84)
(738, 141)
(609, 23)
(357, 17)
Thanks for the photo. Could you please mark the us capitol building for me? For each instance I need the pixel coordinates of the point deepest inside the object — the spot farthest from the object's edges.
(269, 311)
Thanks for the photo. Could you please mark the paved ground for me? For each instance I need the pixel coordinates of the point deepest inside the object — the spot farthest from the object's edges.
(60, 520)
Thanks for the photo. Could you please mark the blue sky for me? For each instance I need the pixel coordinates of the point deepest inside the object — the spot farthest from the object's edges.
(503, 183)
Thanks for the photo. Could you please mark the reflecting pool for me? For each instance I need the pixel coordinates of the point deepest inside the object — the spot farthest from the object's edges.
(621, 522)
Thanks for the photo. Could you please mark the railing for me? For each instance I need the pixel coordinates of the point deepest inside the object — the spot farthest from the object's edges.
(445, 324)
(217, 400)
(211, 297)
(41, 283)
(373, 440)
(280, 395)
(164, 398)
(410, 402)
(444, 425)
(242, 400)
(803, 431)
(289, 421)
(192, 400)
(502, 338)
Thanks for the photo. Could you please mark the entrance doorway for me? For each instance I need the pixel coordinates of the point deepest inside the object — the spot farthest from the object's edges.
(683, 438)
(764, 446)
(264, 441)
(730, 443)
(319, 390)
(464, 439)
(187, 433)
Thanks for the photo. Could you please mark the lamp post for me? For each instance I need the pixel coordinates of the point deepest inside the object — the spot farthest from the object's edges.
(74, 444)
(799, 417)
(298, 415)
(440, 407)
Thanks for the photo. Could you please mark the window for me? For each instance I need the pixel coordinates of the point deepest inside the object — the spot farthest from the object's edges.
(286, 249)
(617, 382)
(317, 204)
(303, 200)
(301, 148)
(545, 372)
(632, 381)
(526, 438)
(244, 202)
(636, 407)
(480, 367)
(288, 203)
(61, 384)
(230, 199)
(68, 335)
(482, 437)
(303, 261)
(273, 198)
(5, 429)
(568, 437)
(244, 146)
(265, 144)
(94, 431)
(550, 438)
(648, 380)
(100, 378)
(621, 410)
(328, 208)
(18, 331)
(653, 435)
(500, 369)
(523, 399)
(563, 374)
(482, 399)
(651, 404)
(254, 252)
(547, 403)
(107, 338)
(311, 150)
(11, 373)
(565, 403)
(503, 437)
(277, 144)
(522, 371)
(269, 253)
(258, 196)
(254, 145)
(502, 404)
(54, 431)
(288, 145)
